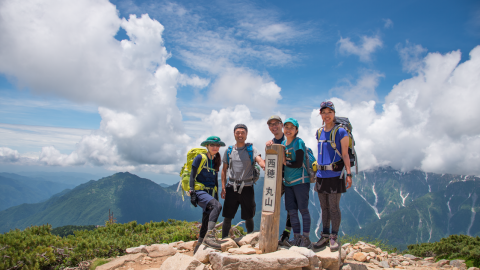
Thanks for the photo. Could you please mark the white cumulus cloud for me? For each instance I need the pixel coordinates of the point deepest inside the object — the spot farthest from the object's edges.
(428, 122)
(69, 50)
(364, 50)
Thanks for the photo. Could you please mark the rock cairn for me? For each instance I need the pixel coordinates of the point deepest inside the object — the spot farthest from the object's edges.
(244, 253)
(367, 256)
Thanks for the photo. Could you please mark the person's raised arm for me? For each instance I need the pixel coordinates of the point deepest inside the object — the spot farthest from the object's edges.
(260, 161)
(299, 160)
(345, 141)
(224, 179)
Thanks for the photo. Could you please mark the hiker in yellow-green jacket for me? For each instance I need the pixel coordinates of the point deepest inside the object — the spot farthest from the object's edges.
(207, 198)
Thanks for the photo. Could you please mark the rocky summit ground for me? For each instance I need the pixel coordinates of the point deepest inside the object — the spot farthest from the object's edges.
(243, 253)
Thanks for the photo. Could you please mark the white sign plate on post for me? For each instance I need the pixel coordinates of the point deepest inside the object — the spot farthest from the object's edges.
(270, 184)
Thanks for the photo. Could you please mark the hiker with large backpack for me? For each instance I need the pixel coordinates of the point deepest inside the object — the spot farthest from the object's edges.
(275, 125)
(297, 184)
(240, 169)
(204, 189)
(335, 153)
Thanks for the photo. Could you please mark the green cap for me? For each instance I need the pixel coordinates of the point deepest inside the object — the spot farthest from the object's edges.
(291, 120)
(212, 140)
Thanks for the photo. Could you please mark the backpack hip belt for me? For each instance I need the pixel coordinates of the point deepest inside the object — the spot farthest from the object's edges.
(214, 190)
(236, 183)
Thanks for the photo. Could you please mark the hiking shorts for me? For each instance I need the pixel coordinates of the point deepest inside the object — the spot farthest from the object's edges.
(296, 197)
(203, 198)
(246, 200)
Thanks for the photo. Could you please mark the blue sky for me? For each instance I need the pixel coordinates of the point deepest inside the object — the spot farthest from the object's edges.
(91, 87)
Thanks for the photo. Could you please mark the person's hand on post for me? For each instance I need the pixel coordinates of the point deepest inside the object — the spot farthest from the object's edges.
(349, 182)
(193, 198)
(269, 143)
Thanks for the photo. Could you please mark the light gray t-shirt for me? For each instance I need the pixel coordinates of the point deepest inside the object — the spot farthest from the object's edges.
(240, 167)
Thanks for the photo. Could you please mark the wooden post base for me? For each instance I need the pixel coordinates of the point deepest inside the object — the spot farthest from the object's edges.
(269, 232)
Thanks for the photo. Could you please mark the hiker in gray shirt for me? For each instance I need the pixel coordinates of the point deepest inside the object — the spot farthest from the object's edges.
(239, 164)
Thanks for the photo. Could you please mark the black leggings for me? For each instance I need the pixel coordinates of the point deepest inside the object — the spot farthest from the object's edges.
(330, 204)
(211, 215)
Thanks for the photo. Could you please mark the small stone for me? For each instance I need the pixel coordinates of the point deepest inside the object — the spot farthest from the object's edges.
(405, 263)
(411, 257)
(359, 257)
(368, 249)
(160, 250)
(372, 254)
(251, 238)
(175, 244)
(458, 263)
(330, 260)
(429, 259)
(186, 246)
(135, 250)
(229, 244)
(343, 254)
(346, 245)
(374, 261)
(202, 253)
(182, 262)
(442, 262)
(350, 255)
(246, 246)
(355, 266)
(242, 251)
(473, 268)
(383, 264)
(312, 257)
(378, 251)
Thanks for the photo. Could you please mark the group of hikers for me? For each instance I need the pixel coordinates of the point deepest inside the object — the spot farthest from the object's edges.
(333, 177)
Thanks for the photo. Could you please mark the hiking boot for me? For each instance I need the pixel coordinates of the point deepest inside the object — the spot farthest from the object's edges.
(211, 241)
(334, 245)
(323, 241)
(199, 243)
(305, 242)
(284, 239)
(295, 241)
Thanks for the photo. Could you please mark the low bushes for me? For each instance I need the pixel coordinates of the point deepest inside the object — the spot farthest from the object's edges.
(452, 247)
(37, 248)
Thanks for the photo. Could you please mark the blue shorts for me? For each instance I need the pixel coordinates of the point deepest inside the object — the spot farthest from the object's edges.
(296, 197)
(203, 198)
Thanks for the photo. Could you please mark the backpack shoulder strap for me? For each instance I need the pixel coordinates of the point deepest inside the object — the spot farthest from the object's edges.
(250, 153)
(319, 132)
(333, 134)
(229, 152)
(202, 163)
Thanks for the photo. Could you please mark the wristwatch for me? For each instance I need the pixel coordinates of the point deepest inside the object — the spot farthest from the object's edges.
(349, 174)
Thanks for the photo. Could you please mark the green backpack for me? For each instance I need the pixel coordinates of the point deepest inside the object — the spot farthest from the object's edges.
(187, 170)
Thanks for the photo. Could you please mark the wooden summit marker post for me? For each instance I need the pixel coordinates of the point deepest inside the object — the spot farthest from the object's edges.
(271, 202)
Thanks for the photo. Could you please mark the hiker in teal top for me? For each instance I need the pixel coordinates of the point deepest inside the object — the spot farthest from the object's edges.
(207, 198)
(297, 184)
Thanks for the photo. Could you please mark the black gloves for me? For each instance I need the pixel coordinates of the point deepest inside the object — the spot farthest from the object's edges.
(193, 198)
